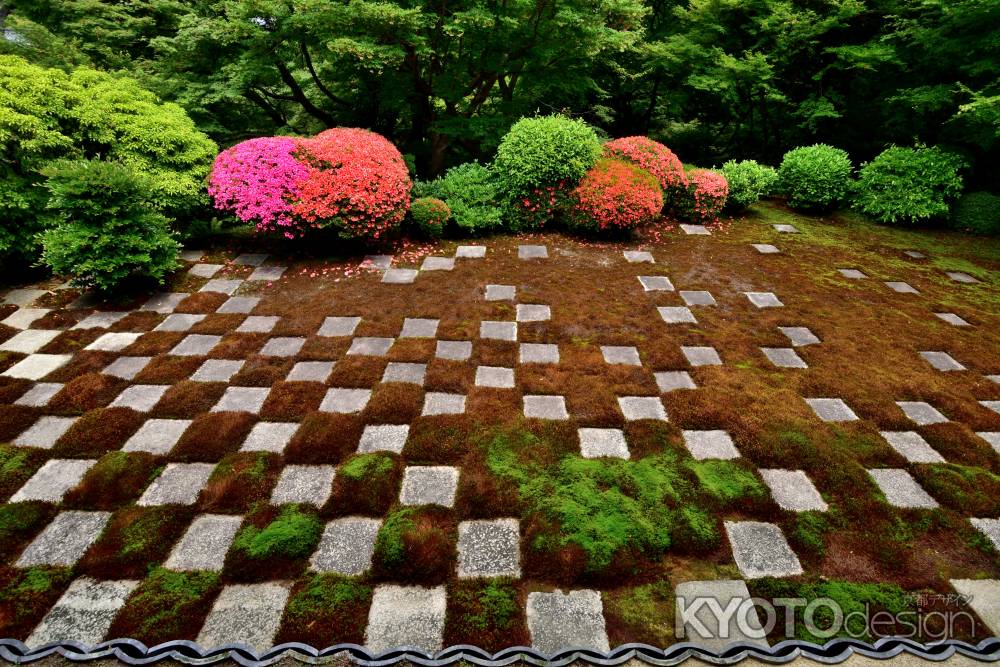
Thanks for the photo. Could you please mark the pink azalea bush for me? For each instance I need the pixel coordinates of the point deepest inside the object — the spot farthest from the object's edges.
(651, 156)
(704, 197)
(615, 195)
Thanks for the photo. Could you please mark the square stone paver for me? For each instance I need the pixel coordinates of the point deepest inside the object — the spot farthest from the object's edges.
(205, 543)
(370, 346)
(221, 285)
(545, 407)
(100, 320)
(764, 299)
(638, 256)
(760, 550)
(831, 409)
(242, 399)
(381, 262)
(192, 255)
(399, 276)
(178, 484)
(217, 370)
(436, 403)
(283, 346)
(853, 274)
(953, 319)
(345, 401)
(697, 298)
(164, 303)
(921, 413)
(701, 355)
(84, 613)
(489, 548)
(179, 322)
(991, 405)
(498, 330)
(942, 361)
(961, 277)
(766, 248)
(800, 336)
(912, 447)
(901, 287)
(656, 284)
(195, 345)
(786, 229)
(558, 621)
(914, 254)
(991, 437)
(700, 230)
(417, 327)
(900, 489)
(396, 371)
(37, 366)
(538, 353)
(250, 259)
(622, 355)
(310, 371)
(23, 297)
(410, 616)
(245, 614)
(157, 436)
(438, 264)
(334, 327)
(23, 317)
(501, 292)
(712, 630)
(126, 368)
(495, 377)
(714, 444)
(384, 438)
(269, 437)
(599, 442)
(32, 340)
(676, 315)
(429, 485)
(642, 407)
(784, 357)
(529, 312)
(65, 540)
(258, 324)
(347, 546)
(532, 252)
(470, 251)
(204, 270)
(673, 380)
(44, 433)
(793, 490)
(304, 484)
(453, 350)
(51, 482)
(267, 273)
(113, 342)
(984, 598)
(990, 528)
(40, 394)
(239, 305)
(140, 397)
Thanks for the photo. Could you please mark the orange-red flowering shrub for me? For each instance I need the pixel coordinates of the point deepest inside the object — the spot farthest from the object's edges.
(615, 195)
(652, 156)
(703, 199)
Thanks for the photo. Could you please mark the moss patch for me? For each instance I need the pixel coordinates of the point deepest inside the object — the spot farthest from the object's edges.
(326, 608)
(167, 605)
(486, 613)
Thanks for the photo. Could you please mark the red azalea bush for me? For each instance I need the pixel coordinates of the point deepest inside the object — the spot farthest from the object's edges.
(703, 199)
(652, 156)
(615, 195)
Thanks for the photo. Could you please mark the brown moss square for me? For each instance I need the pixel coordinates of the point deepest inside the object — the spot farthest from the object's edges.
(70, 342)
(168, 369)
(239, 481)
(366, 484)
(489, 352)
(188, 399)
(12, 389)
(428, 537)
(201, 302)
(488, 613)
(116, 479)
(87, 392)
(136, 321)
(213, 435)
(323, 348)
(167, 606)
(394, 403)
(414, 350)
(219, 324)
(440, 439)
(324, 609)
(135, 539)
(17, 465)
(325, 437)
(20, 523)
(97, 432)
(450, 377)
(358, 371)
(291, 401)
(262, 371)
(155, 343)
(27, 595)
(238, 345)
(82, 363)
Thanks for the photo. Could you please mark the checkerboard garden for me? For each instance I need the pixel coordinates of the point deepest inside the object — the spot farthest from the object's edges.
(527, 441)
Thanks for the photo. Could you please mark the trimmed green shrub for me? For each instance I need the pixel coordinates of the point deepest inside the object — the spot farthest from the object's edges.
(815, 178)
(471, 191)
(977, 212)
(108, 230)
(748, 182)
(430, 216)
(539, 160)
(908, 185)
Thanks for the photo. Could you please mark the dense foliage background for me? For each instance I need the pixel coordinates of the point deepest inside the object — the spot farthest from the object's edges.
(444, 80)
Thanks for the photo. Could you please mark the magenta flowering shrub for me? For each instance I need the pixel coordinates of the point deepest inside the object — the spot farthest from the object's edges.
(704, 198)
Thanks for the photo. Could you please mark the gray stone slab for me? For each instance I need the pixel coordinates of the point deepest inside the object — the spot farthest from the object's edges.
(396, 371)
(784, 357)
(489, 548)
(419, 327)
(23, 317)
(437, 403)
(30, 340)
(37, 366)
(852, 274)
(831, 409)
(921, 413)
(557, 621)
(114, 341)
(700, 623)
(786, 229)
(914, 254)
(140, 397)
(23, 297)
(498, 330)
(545, 407)
(900, 489)
(384, 438)
(622, 355)
(993, 378)
(164, 303)
(223, 285)
(496, 377)
(178, 484)
(532, 252)
(990, 528)
(673, 380)
(538, 353)
(100, 320)
(697, 298)
(942, 361)
(764, 299)
(642, 407)
(126, 368)
(800, 336)
(991, 405)
(701, 355)
(410, 616)
(44, 433)
(345, 401)
(65, 540)
(239, 305)
(310, 371)
(501, 292)
(677, 315)
(204, 270)
(250, 259)
(304, 484)
(192, 255)
(712, 444)
(205, 543)
(638, 256)
(217, 370)
(51, 482)
(697, 230)
(454, 350)
(334, 327)
(912, 447)
(656, 284)
(269, 437)
(429, 485)
(531, 312)
(953, 319)
(961, 277)
(382, 262)
(84, 613)
(984, 598)
(245, 614)
(267, 273)
(599, 442)
(347, 546)
(399, 276)
(195, 345)
(258, 324)
(40, 394)
(761, 550)
(992, 437)
(368, 346)
(471, 251)
(438, 264)
(793, 490)
(766, 248)
(157, 436)
(901, 287)
(282, 346)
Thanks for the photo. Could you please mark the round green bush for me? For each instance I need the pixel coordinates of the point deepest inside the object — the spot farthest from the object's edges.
(430, 216)
(748, 182)
(908, 185)
(815, 178)
(977, 212)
